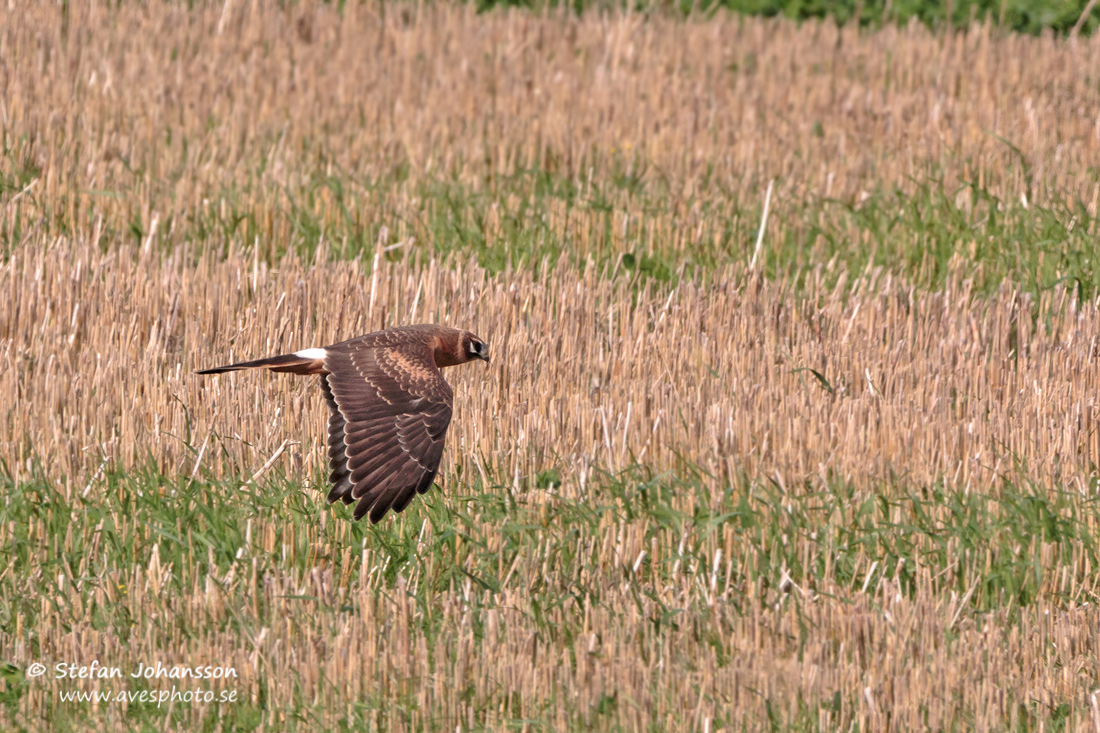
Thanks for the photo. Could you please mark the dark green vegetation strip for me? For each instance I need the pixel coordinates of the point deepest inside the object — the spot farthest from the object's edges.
(1026, 16)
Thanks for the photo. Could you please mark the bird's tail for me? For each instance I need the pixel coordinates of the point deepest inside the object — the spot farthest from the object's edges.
(297, 363)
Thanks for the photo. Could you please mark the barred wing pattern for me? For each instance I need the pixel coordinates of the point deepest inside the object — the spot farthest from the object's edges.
(390, 409)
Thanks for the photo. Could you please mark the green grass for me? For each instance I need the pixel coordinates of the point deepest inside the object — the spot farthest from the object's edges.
(199, 527)
(824, 536)
(924, 231)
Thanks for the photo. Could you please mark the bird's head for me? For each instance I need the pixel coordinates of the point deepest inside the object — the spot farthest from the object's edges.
(474, 348)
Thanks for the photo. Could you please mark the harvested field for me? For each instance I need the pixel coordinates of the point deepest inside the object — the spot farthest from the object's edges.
(865, 381)
(517, 136)
(853, 485)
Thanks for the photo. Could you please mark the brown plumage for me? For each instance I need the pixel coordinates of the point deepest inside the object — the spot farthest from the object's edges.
(389, 409)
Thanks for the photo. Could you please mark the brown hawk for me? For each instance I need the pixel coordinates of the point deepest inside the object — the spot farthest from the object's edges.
(389, 409)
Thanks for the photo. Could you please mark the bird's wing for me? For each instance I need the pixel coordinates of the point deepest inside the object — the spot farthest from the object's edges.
(390, 412)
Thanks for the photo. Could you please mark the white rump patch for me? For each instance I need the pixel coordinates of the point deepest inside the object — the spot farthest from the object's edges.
(311, 353)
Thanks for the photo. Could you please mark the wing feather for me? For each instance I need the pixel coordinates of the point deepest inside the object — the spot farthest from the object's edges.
(365, 455)
(340, 478)
(375, 471)
(391, 409)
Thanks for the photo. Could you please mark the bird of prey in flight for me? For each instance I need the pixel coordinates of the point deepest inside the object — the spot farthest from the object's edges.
(389, 409)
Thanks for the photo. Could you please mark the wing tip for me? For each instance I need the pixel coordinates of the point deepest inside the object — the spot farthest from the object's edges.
(363, 507)
(341, 491)
(381, 500)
